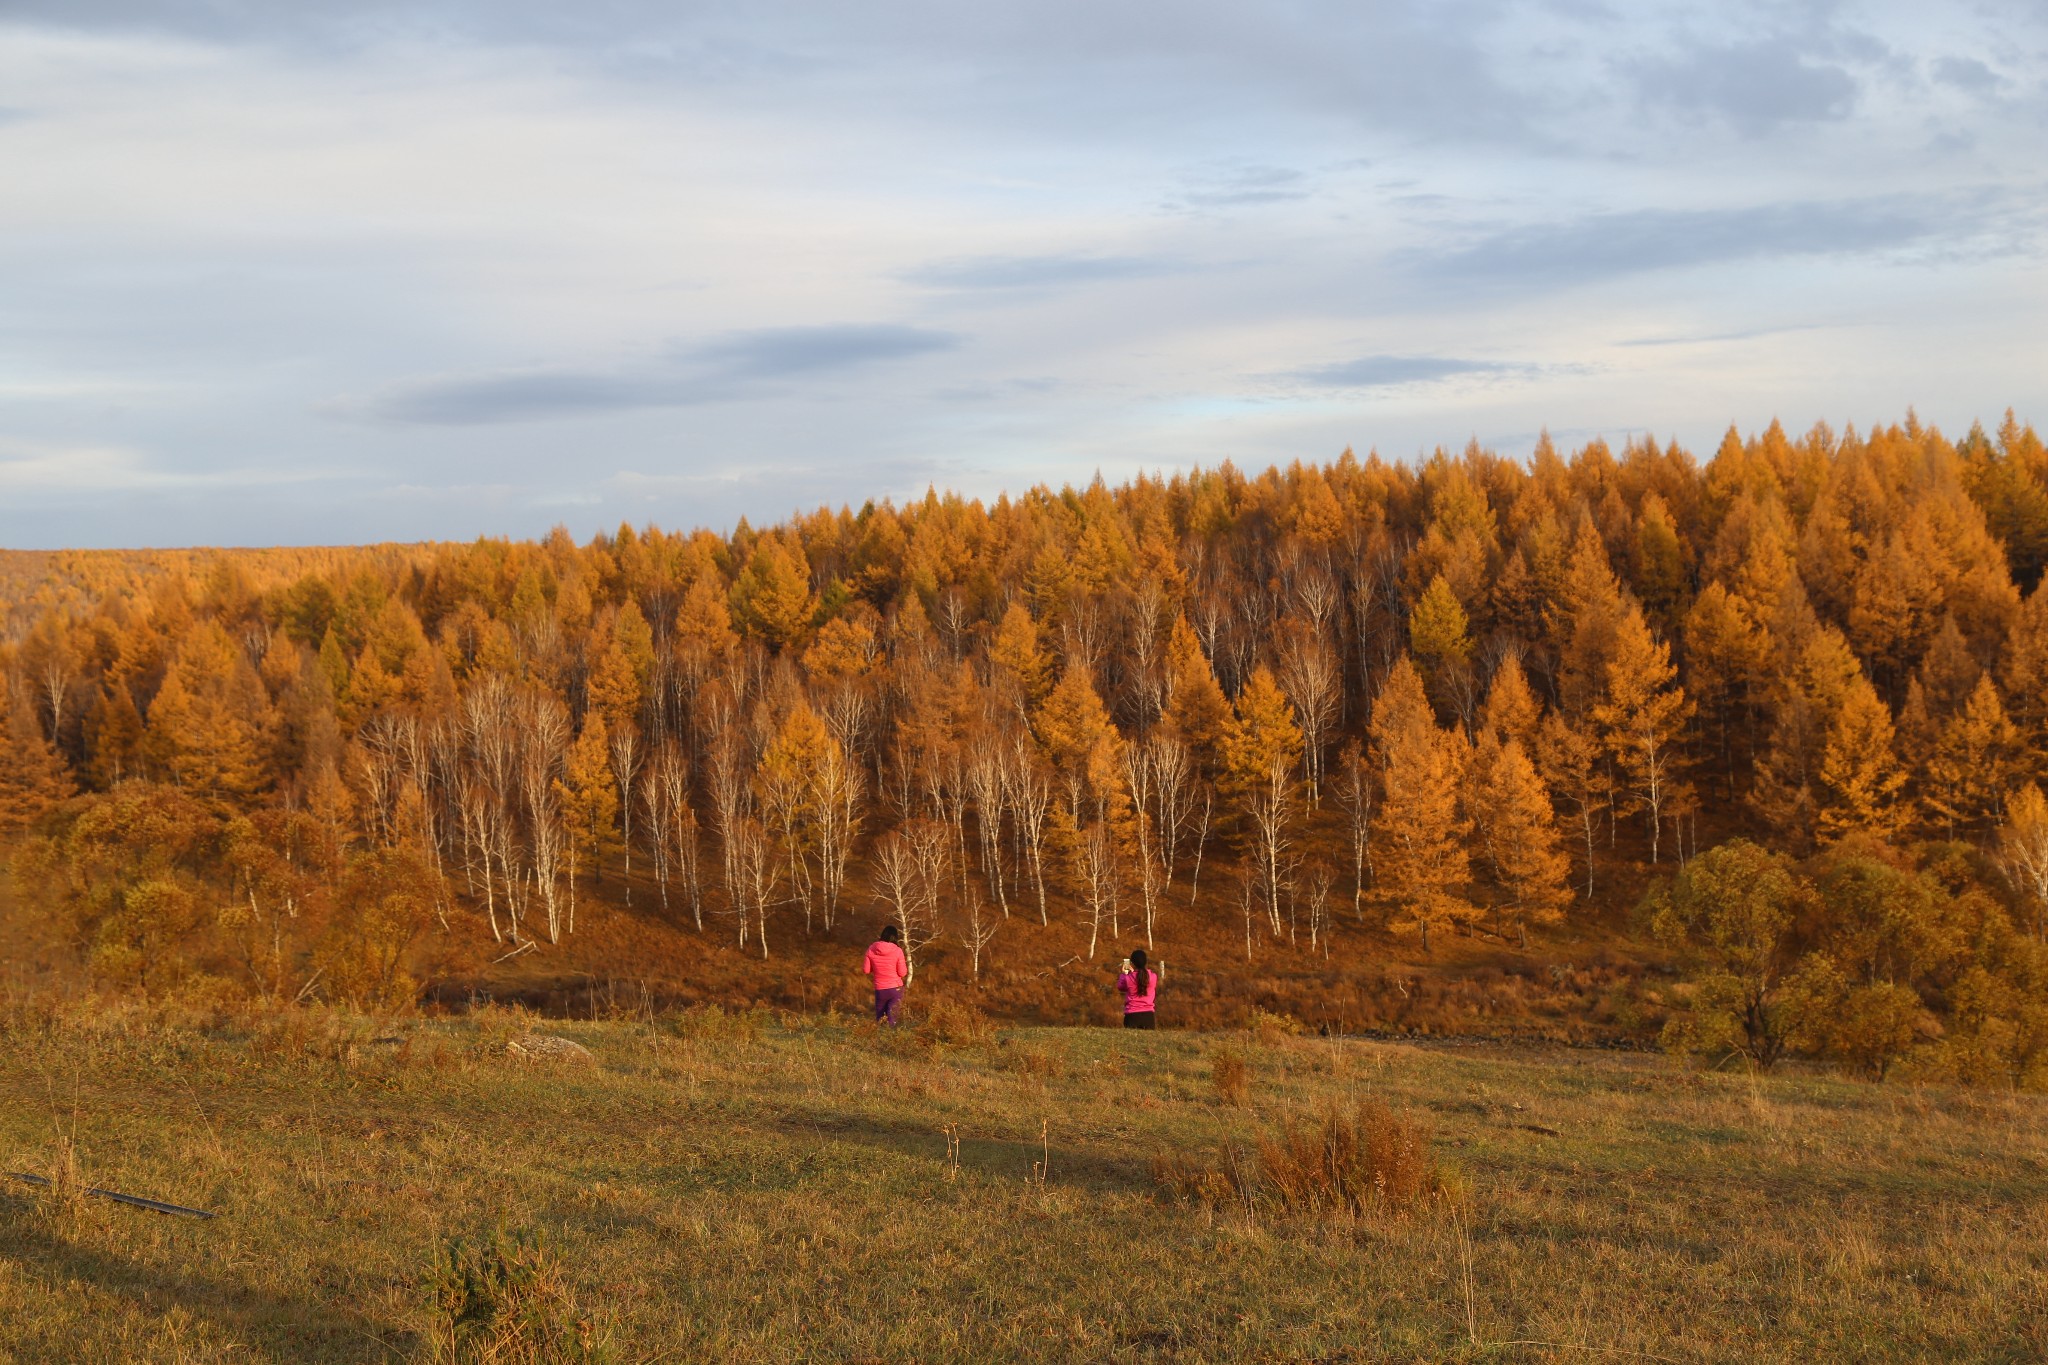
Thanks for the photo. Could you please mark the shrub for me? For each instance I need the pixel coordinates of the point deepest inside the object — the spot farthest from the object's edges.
(958, 1023)
(1231, 1180)
(1271, 1027)
(507, 1300)
(1232, 1077)
(1371, 1160)
(1366, 1163)
(1038, 1061)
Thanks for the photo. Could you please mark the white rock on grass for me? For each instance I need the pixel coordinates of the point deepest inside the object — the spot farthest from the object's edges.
(549, 1047)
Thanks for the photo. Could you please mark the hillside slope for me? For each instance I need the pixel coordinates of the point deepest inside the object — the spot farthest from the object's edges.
(734, 1188)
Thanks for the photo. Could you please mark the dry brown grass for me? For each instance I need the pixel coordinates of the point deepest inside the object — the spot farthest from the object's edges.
(1367, 1162)
(1231, 1077)
(760, 1188)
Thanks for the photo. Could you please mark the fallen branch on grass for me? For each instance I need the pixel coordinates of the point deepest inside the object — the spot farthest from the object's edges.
(136, 1200)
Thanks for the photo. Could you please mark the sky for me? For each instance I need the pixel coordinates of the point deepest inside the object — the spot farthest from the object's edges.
(295, 274)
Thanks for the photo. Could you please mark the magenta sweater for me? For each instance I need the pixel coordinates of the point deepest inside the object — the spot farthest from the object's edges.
(1135, 1003)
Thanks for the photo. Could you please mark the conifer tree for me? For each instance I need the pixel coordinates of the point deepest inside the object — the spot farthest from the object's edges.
(1641, 718)
(1400, 707)
(1260, 754)
(844, 651)
(1075, 728)
(1966, 774)
(1263, 733)
(1860, 777)
(1516, 833)
(1015, 655)
(1569, 761)
(590, 798)
(1511, 710)
(1438, 641)
(32, 776)
(1724, 667)
(114, 735)
(798, 783)
(208, 726)
(703, 627)
(2025, 675)
(1195, 703)
(1659, 564)
(371, 688)
(1583, 621)
(772, 597)
(611, 689)
(1419, 849)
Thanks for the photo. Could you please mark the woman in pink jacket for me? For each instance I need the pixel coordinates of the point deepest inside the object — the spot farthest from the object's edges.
(1140, 990)
(888, 968)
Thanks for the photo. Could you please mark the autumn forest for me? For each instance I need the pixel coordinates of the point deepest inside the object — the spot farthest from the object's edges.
(1741, 755)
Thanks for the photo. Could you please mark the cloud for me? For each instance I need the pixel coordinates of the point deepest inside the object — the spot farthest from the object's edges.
(733, 366)
(1422, 67)
(776, 352)
(1244, 186)
(1032, 272)
(31, 467)
(1755, 86)
(1715, 338)
(1967, 73)
(1386, 371)
(560, 230)
(1607, 245)
(520, 396)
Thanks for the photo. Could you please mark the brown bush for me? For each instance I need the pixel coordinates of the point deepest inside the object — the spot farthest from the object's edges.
(1191, 1181)
(1366, 1163)
(958, 1023)
(1232, 1076)
(1371, 1160)
(1038, 1061)
(1271, 1027)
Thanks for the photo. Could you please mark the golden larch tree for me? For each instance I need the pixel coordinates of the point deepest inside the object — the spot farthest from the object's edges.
(1419, 831)
(1965, 777)
(1515, 830)
(1642, 718)
(1860, 777)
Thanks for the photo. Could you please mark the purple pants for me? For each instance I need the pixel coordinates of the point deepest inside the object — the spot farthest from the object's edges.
(887, 999)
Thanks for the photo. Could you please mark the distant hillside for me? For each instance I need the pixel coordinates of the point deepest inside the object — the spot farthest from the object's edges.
(1408, 725)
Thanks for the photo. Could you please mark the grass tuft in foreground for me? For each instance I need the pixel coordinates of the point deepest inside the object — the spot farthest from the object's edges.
(508, 1300)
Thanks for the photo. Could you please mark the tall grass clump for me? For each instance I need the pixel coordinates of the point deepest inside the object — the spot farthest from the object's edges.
(953, 1022)
(1365, 1163)
(507, 1301)
(1232, 1077)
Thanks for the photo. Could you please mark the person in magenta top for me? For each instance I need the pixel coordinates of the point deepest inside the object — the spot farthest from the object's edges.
(888, 968)
(1140, 990)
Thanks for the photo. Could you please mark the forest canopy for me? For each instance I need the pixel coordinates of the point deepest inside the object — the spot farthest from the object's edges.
(1781, 714)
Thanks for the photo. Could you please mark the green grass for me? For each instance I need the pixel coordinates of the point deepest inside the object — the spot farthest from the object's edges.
(720, 1189)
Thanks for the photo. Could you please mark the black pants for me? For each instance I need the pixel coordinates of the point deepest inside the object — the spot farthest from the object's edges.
(1142, 1019)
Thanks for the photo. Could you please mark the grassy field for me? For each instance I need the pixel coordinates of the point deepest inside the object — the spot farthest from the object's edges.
(748, 1189)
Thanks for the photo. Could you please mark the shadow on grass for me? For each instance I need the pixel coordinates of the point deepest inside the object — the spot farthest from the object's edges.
(991, 1156)
(280, 1327)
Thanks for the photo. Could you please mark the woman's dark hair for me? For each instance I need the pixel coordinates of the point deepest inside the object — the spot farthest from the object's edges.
(1138, 970)
(890, 934)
